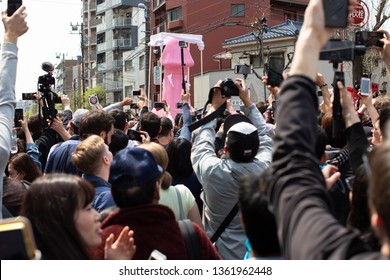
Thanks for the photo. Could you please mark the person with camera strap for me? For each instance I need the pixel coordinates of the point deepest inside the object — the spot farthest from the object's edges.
(247, 150)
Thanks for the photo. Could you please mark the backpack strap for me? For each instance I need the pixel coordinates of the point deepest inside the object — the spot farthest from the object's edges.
(191, 239)
(224, 223)
(182, 215)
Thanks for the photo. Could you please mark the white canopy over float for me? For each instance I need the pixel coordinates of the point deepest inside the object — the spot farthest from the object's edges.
(162, 38)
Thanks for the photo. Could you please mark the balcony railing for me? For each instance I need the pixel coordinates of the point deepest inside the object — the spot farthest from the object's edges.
(107, 4)
(110, 65)
(117, 64)
(160, 28)
(114, 85)
(118, 22)
(122, 43)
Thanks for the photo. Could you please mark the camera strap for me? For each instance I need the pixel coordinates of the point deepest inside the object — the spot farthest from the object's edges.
(208, 118)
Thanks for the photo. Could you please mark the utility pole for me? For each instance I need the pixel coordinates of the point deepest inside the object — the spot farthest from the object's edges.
(262, 30)
(147, 52)
(77, 28)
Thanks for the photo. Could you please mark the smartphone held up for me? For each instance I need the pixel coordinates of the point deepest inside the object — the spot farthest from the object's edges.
(336, 13)
(365, 85)
(18, 117)
(12, 6)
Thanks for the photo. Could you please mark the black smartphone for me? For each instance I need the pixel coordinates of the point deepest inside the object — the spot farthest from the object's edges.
(17, 239)
(18, 117)
(136, 92)
(273, 105)
(338, 124)
(244, 69)
(134, 135)
(28, 96)
(134, 106)
(13, 5)
(336, 13)
(368, 38)
(275, 70)
(160, 105)
(179, 105)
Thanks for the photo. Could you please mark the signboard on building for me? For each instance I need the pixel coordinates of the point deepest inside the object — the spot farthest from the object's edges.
(360, 14)
(156, 75)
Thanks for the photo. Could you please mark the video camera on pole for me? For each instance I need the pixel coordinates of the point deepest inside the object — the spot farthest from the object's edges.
(48, 97)
(337, 51)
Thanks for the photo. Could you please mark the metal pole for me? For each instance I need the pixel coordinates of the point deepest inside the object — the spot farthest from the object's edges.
(63, 73)
(82, 58)
(262, 30)
(147, 51)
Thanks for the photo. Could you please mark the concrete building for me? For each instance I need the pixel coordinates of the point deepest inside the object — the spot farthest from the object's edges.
(116, 34)
(134, 61)
(64, 75)
(90, 22)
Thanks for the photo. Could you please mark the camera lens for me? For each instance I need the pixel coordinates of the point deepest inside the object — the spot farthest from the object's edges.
(229, 88)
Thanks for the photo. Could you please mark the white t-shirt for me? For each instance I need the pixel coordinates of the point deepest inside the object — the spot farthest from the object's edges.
(169, 198)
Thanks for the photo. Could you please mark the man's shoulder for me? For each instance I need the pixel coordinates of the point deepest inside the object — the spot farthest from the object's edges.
(65, 145)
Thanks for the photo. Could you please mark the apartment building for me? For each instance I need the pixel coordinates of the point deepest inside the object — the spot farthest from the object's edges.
(88, 29)
(117, 33)
(64, 75)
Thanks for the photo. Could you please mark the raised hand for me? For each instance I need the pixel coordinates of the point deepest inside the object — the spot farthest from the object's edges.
(123, 248)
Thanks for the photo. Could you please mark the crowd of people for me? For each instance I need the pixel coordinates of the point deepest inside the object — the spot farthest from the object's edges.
(262, 182)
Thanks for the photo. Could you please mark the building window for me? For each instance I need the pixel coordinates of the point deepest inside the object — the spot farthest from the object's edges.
(118, 96)
(289, 15)
(238, 10)
(255, 60)
(142, 62)
(174, 14)
(129, 65)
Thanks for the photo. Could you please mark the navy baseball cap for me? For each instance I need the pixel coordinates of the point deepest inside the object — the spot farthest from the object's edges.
(137, 165)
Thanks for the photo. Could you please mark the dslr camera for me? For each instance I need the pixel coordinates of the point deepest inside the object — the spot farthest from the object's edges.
(229, 88)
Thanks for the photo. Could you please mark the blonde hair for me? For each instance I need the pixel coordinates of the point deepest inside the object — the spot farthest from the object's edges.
(162, 159)
(88, 153)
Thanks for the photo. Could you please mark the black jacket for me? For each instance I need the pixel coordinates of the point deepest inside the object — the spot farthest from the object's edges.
(306, 227)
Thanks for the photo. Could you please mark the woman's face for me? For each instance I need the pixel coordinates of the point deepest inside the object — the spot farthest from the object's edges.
(88, 226)
(13, 173)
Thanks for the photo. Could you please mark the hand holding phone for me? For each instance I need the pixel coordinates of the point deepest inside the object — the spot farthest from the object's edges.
(18, 117)
(336, 13)
(365, 84)
(12, 6)
(134, 135)
(369, 39)
(159, 105)
(179, 105)
(275, 70)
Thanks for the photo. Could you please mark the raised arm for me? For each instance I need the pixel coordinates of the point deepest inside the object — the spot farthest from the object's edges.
(15, 26)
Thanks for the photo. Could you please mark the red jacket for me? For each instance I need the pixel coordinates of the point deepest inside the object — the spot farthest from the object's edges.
(155, 228)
